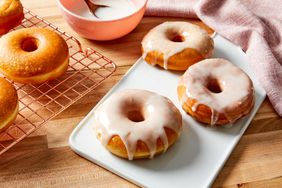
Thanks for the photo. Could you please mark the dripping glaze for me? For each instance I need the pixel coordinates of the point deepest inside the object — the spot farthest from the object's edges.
(235, 86)
(158, 40)
(158, 114)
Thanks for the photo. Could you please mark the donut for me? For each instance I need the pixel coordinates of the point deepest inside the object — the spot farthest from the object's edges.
(11, 15)
(137, 124)
(216, 92)
(33, 55)
(176, 45)
(9, 105)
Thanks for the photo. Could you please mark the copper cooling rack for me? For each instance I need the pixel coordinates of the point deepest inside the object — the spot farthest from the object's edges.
(40, 103)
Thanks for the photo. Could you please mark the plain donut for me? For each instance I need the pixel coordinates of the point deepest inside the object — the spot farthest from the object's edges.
(11, 15)
(33, 55)
(9, 104)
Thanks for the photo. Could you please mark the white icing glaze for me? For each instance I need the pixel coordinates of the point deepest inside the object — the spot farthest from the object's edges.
(157, 39)
(111, 119)
(236, 88)
(116, 9)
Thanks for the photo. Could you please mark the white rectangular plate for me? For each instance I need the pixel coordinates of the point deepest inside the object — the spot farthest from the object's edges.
(199, 154)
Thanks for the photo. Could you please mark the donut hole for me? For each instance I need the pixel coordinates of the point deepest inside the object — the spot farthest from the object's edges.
(135, 115)
(30, 44)
(175, 36)
(214, 86)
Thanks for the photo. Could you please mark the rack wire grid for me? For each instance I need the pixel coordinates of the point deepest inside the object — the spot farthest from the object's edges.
(39, 103)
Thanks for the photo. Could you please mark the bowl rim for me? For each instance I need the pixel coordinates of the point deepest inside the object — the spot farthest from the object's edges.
(93, 20)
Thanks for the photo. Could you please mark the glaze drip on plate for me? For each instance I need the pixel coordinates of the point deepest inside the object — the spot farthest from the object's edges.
(221, 86)
(152, 114)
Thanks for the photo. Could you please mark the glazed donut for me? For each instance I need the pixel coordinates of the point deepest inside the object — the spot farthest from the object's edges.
(216, 92)
(33, 55)
(136, 124)
(11, 15)
(9, 105)
(176, 45)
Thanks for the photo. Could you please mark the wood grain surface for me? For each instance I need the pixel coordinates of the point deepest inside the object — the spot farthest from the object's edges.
(44, 159)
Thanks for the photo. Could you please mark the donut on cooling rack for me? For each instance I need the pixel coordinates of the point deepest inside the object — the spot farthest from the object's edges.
(8, 104)
(136, 124)
(176, 45)
(33, 55)
(214, 91)
(11, 15)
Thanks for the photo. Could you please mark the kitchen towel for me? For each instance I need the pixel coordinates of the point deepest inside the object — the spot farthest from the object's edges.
(254, 25)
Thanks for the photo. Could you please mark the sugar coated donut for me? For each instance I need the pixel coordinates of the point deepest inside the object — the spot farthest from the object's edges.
(33, 55)
(9, 104)
(137, 124)
(11, 15)
(176, 45)
(214, 91)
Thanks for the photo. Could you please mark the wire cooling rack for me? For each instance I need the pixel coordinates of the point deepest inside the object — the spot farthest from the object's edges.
(40, 103)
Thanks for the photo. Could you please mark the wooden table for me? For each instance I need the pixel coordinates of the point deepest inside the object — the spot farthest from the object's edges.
(44, 159)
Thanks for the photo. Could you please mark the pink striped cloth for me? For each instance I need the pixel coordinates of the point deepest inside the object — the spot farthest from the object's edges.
(255, 25)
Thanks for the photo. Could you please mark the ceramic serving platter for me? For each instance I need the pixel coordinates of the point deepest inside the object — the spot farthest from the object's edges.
(200, 152)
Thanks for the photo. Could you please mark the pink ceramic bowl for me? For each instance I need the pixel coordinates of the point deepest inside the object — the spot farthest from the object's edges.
(100, 29)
